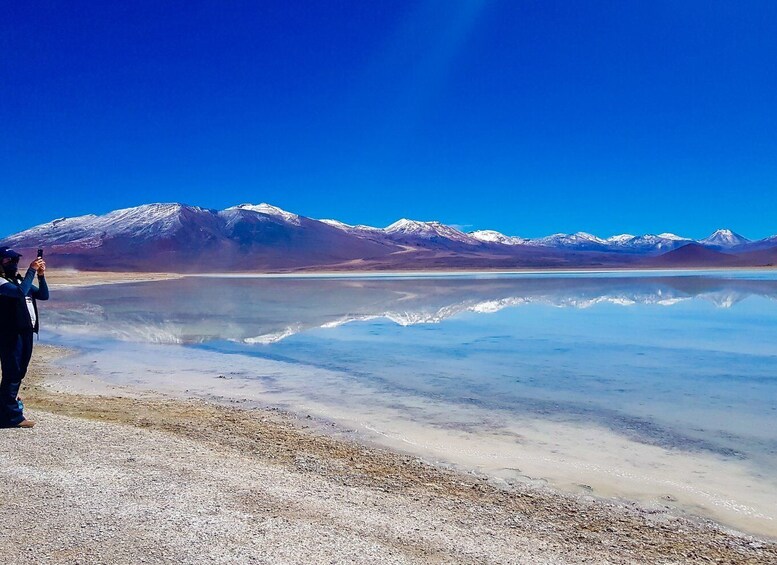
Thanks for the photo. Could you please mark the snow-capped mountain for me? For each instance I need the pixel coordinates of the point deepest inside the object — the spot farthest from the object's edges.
(360, 230)
(491, 236)
(146, 221)
(724, 239)
(269, 210)
(427, 230)
(188, 238)
(173, 236)
(431, 233)
(646, 243)
(584, 241)
(620, 239)
(155, 228)
(579, 240)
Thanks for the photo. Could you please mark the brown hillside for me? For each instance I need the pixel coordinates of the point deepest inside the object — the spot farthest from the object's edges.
(694, 255)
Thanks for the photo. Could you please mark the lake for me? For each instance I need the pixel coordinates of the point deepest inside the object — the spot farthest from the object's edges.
(658, 387)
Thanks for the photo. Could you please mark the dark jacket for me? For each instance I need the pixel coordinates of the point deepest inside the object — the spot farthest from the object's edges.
(14, 316)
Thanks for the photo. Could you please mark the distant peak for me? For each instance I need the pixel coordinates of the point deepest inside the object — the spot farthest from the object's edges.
(621, 238)
(487, 233)
(492, 236)
(336, 223)
(589, 236)
(428, 230)
(269, 210)
(155, 206)
(152, 211)
(414, 225)
(724, 238)
(348, 227)
(672, 236)
(404, 224)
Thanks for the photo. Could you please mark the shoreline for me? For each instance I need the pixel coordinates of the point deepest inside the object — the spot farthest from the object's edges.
(538, 523)
(73, 278)
(578, 459)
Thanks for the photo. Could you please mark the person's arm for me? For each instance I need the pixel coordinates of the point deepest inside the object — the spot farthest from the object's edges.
(26, 285)
(42, 292)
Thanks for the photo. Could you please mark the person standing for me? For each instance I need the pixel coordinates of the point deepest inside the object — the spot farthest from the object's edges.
(18, 323)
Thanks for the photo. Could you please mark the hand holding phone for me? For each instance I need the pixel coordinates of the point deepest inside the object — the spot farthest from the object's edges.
(39, 264)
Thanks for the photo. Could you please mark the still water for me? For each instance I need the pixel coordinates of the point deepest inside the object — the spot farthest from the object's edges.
(636, 385)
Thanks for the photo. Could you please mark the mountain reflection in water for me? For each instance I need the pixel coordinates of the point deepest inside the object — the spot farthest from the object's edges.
(268, 310)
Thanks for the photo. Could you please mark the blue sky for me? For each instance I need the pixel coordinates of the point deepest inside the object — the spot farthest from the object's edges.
(521, 116)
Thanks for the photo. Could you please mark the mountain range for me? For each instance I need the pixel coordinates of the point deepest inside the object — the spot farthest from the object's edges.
(181, 238)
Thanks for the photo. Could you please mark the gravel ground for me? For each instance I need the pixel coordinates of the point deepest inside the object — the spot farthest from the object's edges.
(137, 480)
(91, 492)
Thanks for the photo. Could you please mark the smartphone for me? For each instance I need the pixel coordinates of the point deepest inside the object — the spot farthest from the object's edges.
(40, 253)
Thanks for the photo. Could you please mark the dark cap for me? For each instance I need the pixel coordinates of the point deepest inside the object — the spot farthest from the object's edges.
(5, 252)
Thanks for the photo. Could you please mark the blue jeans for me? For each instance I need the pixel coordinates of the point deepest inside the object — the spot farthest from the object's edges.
(15, 354)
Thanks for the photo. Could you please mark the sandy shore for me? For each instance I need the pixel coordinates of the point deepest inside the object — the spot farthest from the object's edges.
(128, 478)
(65, 277)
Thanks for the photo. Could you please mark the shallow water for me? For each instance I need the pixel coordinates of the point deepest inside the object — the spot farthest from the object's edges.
(671, 378)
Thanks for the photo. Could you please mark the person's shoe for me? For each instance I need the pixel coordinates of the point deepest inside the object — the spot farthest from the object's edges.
(26, 424)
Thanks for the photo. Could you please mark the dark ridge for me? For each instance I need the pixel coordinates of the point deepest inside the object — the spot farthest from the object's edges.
(694, 255)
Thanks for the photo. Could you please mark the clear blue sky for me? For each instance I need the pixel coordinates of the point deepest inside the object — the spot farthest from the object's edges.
(529, 117)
